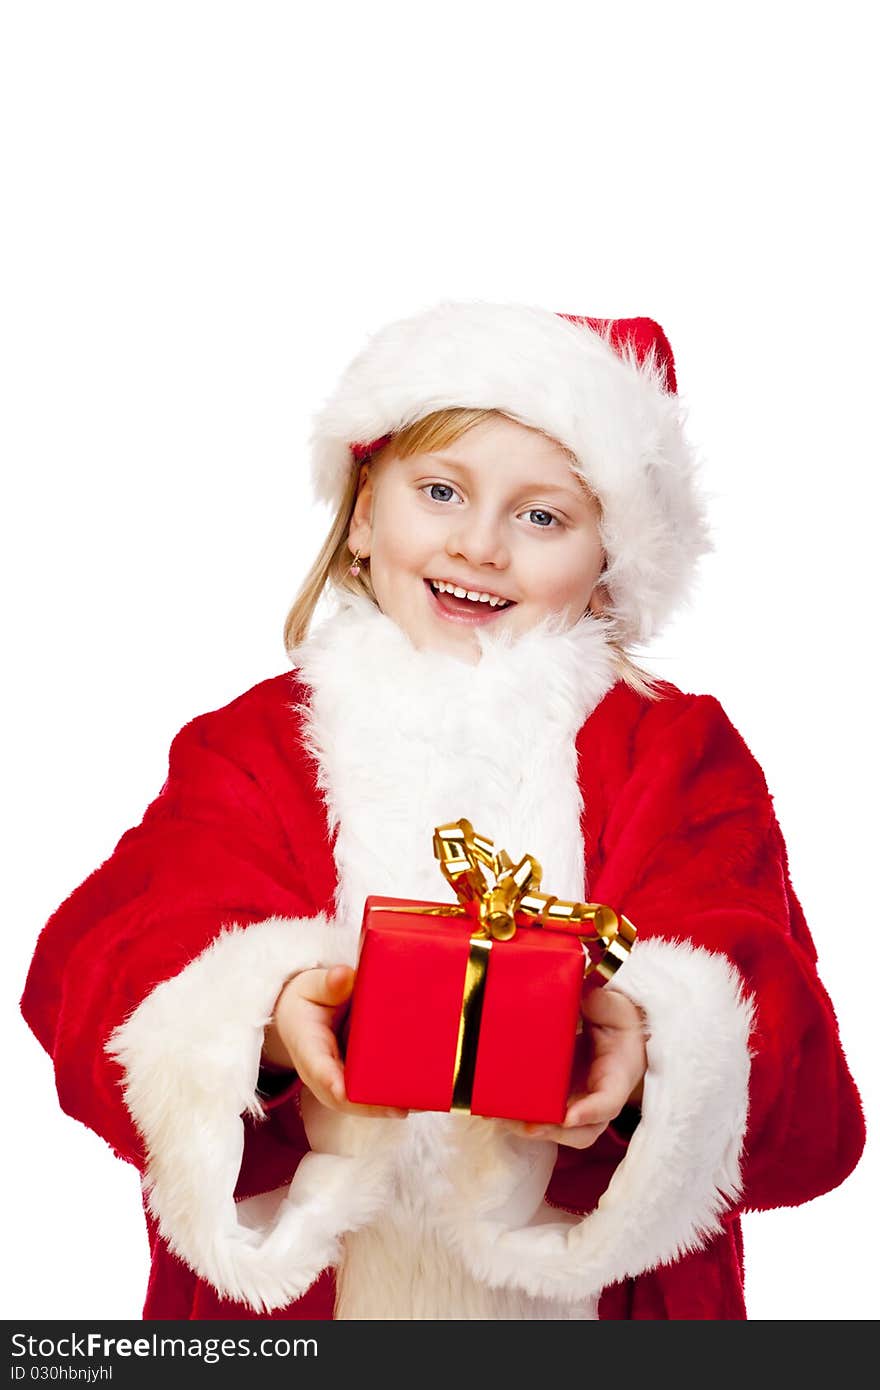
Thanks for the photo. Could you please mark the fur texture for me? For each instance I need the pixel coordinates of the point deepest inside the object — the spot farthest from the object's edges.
(517, 776)
(625, 430)
(525, 794)
(191, 1053)
(497, 737)
(280, 813)
(682, 1170)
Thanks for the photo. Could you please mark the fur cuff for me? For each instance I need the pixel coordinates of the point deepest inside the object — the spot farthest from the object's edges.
(191, 1054)
(681, 1170)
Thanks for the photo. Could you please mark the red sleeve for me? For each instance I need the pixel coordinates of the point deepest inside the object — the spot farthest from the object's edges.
(692, 853)
(210, 850)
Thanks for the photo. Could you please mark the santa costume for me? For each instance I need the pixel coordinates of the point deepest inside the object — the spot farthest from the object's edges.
(152, 984)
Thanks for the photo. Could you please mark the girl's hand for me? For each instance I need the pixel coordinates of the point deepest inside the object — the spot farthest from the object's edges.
(610, 1064)
(302, 1035)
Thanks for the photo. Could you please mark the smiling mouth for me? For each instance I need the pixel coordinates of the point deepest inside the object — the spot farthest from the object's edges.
(452, 607)
(474, 597)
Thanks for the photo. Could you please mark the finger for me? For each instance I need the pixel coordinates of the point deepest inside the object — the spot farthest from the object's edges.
(328, 987)
(382, 1112)
(386, 1113)
(581, 1137)
(316, 1047)
(330, 1091)
(320, 1092)
(323, 1076)
(535, 1130)
(608, 1008)
(524, 1129)
(599, 1107)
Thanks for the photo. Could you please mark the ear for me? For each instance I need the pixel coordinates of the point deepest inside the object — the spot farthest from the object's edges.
(360, 528)
(599, 598)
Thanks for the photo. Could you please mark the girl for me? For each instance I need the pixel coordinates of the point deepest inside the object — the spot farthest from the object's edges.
(515, 507)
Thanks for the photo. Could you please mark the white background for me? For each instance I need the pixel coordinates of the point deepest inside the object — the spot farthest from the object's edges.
(208, 207)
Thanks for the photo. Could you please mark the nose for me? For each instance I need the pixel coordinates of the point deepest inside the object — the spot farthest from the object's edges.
(478, 539)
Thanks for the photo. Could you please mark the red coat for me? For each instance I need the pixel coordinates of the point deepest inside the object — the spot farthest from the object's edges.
(152, 983)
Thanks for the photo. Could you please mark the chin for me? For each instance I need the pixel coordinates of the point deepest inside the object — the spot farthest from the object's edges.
(463, 646)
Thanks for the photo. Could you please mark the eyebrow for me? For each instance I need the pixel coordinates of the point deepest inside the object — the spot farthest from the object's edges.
(572, 494)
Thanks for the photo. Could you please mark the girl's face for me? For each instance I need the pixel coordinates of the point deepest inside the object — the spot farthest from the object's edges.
(500, 512)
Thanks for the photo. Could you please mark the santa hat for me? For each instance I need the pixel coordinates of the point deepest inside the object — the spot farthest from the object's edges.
(603, 388)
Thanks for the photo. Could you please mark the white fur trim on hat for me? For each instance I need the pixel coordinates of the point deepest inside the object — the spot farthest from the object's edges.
(611, 410)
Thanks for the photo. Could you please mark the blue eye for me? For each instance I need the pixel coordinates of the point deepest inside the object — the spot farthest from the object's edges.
(552, 523)
(433, 485)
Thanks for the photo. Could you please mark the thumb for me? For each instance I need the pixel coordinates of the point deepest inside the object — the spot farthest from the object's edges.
(609, 1008)
(331, 986)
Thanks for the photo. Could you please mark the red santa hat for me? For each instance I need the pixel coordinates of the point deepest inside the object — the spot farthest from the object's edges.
(603, 388)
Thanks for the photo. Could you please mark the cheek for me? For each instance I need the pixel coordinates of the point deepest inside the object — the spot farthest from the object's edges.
(403, 536)
(398, 550)
(563, 577)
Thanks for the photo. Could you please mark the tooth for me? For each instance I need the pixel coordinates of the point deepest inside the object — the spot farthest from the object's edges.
(476, 596)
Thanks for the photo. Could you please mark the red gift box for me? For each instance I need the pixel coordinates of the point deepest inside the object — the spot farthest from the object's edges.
(474, 1005)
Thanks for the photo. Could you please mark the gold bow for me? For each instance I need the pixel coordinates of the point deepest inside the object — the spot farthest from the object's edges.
(498, 907)
(512, 899)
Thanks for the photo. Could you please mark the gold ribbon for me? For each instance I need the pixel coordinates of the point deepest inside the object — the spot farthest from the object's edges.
(511, 900)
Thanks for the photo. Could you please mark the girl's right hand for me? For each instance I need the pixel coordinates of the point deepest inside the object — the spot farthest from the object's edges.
(302, 1035)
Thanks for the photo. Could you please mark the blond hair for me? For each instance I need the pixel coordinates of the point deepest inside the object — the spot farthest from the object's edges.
(332, 566)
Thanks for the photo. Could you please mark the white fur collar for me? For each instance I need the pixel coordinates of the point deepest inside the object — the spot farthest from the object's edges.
(436, 1215)
(407, 739)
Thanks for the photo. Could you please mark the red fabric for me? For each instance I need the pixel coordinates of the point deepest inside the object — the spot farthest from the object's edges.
(215, 846)
(642, 335)
(688, 814)
(360, 452)
(680, 835)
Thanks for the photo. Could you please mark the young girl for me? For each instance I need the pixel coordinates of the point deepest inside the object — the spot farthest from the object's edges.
(515, 507)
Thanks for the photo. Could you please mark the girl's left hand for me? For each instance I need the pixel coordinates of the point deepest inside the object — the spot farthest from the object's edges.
(610, 1064)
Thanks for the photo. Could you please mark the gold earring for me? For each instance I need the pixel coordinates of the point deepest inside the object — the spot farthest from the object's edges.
(355, 568)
